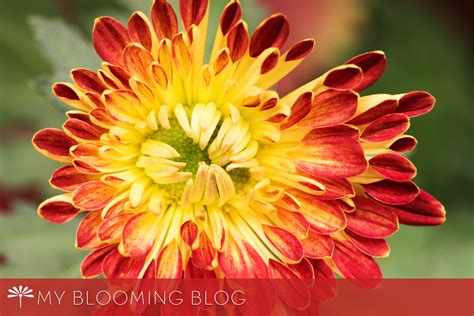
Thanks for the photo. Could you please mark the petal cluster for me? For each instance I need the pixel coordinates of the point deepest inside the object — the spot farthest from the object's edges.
(187, 166)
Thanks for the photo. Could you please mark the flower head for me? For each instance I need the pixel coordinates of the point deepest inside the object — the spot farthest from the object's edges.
(194, 166)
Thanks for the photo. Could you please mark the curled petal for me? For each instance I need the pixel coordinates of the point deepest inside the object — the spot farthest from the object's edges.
(272, 32)
(238, 41)
(300, 50)
(110, 38)
(330, 108)
(239, 260)
(393, 167)
(164, 19)
(377, 248)
(58, 209)
(170, 262)
(386, 128)
(335, 188)
(391, 192)
(299, 110)
(92, 264)
(317, 246)
(373, 66)
(86, 235)
(371, 219)
(93, 195)
(404, 144)
(422, 211)
(344, 78)
(230, 16)
(286, 243)
(355, 265)
(139, 234)
(415, 103)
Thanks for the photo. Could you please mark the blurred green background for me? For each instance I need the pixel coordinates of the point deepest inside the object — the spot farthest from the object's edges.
(428, 48)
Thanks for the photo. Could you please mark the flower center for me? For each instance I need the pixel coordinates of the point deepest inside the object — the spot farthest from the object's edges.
(199, 155)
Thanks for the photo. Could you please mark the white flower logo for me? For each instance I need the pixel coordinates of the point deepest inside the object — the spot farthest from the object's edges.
(20, 292)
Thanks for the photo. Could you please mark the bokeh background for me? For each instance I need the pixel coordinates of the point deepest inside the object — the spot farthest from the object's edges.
(428, 48)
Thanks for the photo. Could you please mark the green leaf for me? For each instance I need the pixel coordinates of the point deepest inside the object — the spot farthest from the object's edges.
(34, 248)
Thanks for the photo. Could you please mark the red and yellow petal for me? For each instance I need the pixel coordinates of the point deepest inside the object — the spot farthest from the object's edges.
(317, 246)
(110, 38)
(373, 66)
(423, 210)
(93, 195)
(58, 209)
(285, 242)
(239, 260)
(91, 266)
(87, 233)
(54, 144)
(139, 234)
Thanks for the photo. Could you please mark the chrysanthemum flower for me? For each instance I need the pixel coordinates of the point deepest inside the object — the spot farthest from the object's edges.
(192, 166)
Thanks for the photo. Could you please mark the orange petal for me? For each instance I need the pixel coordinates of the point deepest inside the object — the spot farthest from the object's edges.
(294, 222)
(86, 235)
(111, 228)
(371, 219)
(137, 61)
(54, 144)
(169, 263)
(272, 32)
(92, 264)
(386, 128)
(110, 38)
(285, 242)
(238, 41)
(324, 217)
(330, 108)
(393, 167)
(181, 54)
(139, 30)
(373, 66)
(391, 192)
(139, 234)
(189, 232)
(423, 210)
(93, 195)
(356, 266)
(415, 103)
(330, 156)
(58, 209)
(164, 19)
(239, 260)
(317, 246)
(192, 11)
